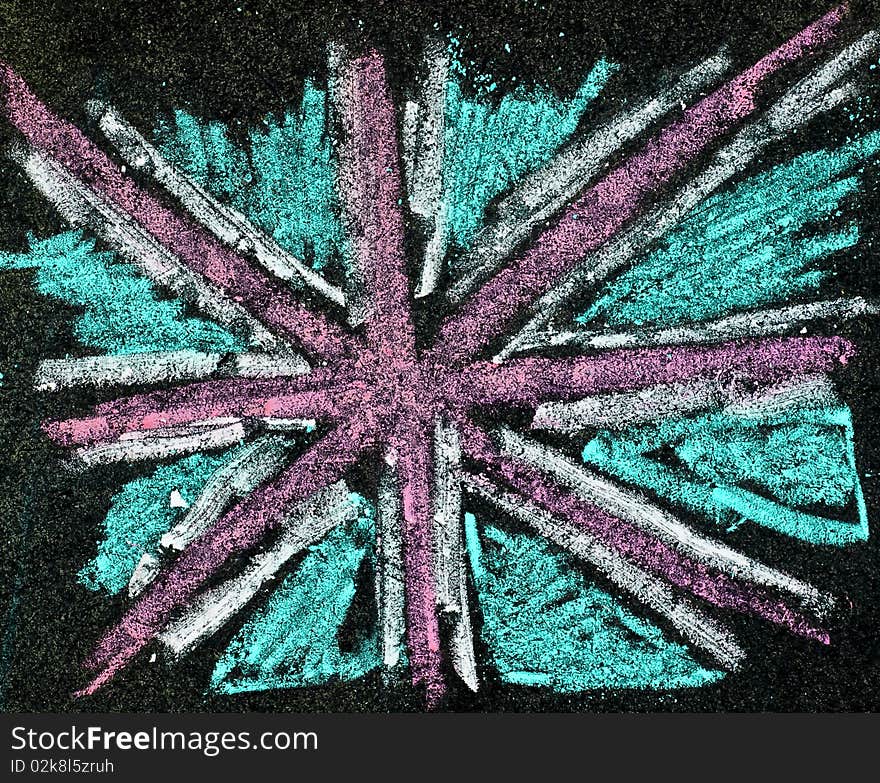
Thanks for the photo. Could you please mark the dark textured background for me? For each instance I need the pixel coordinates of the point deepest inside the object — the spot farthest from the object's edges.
(239, 65)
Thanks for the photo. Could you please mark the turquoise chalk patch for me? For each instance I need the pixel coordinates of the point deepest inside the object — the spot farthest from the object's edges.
(293, 641)
(121, 311)
(749, 246)
(140, 514)
(774, 471)
(489, 145)
(545, 625)
(283, 178)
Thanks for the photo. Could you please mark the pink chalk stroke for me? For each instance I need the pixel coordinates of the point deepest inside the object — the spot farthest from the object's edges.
(303, 397)
(605, 207)
(414, 466)
(635, 544)
(275, 305)
(239, 529)
(371, 189)
(534, 380)
(372, 193)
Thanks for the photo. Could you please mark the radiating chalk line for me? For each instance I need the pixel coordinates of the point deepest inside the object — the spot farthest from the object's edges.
(223, 221)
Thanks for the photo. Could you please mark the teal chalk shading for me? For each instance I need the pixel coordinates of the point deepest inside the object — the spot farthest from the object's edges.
(140, 514)
(283, 178)
(489, 145)
(293, 641)
(545, 625)
(753, 245)
(121, 311)
(774, 471)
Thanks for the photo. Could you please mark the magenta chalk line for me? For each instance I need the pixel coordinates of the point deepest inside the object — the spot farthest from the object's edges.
(371, 188)
(532, 381)
(415, 471)
(202, 402)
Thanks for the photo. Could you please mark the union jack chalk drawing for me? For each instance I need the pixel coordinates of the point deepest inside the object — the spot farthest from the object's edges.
(506, 376)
